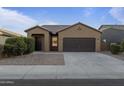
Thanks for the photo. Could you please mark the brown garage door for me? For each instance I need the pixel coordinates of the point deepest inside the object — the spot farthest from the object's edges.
(79, 44)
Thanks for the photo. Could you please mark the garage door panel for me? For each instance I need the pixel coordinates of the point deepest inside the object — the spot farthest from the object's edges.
(79, 44)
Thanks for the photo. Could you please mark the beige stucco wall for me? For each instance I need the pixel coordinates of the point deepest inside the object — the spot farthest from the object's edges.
(84, 32)
(46, 36)
(3, 39)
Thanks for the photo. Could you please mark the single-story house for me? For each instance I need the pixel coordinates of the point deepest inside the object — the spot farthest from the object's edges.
(112, 33)
(4, 34)
(69, 38)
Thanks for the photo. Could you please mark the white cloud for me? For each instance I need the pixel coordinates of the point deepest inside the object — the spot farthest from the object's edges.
(18, 22)
(118, 14)
(14, 20)
(88, 12)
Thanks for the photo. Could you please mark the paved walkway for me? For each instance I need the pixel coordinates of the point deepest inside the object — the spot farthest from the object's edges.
(77, 66)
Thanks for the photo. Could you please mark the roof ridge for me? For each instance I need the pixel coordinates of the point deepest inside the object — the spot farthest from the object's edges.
(111, 24)
(57, 28)
(55, 25)
(102, 27)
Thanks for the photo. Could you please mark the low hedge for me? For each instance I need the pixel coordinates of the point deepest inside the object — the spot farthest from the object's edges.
(115, 48)
(18, 46)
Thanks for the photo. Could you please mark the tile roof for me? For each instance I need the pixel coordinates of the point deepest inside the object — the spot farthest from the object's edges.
(57, 28)
(6, 32)
(54, 28)
(119, 27)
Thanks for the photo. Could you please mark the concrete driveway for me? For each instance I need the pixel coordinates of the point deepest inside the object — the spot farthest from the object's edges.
(78, 65)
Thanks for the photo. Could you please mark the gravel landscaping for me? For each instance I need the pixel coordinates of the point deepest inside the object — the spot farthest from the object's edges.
(34, 59)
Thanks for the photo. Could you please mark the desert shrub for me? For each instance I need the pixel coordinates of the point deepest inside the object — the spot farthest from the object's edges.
(8, 50)
(115, 48)
(15, 46)
(1, 50)
(122, 46)
(30, 45)
(18, 46)
(10, 40)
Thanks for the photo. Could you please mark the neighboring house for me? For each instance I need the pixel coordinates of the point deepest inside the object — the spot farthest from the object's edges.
(71, 38)
(112, 33)
(4, 34)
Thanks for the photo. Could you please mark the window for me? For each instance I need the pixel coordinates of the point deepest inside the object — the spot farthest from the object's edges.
(54, 41)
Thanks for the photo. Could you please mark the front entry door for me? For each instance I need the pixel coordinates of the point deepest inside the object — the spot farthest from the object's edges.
(38, 43)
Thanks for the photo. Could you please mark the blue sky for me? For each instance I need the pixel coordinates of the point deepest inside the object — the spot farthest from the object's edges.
(21, 18)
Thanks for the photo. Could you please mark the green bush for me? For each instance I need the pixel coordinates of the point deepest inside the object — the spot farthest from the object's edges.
(17, 46)
(1, 50)
(122, 46)
(20, 46)
(8, 50)
(115, 48)
(30, 45)
(10, 40)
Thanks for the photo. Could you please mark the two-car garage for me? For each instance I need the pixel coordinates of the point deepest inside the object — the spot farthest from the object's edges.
(79, 38)
(79, 44)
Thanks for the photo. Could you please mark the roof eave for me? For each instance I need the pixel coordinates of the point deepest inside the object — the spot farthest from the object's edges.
(34, 28)
(81, 24)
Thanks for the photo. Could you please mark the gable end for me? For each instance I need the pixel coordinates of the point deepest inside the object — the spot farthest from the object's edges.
(80, 24)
